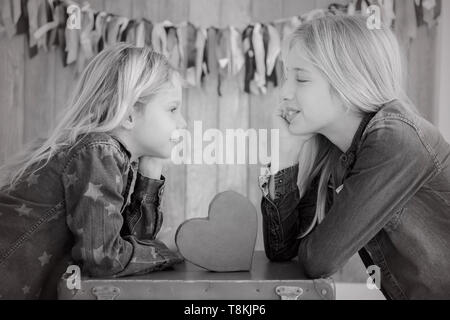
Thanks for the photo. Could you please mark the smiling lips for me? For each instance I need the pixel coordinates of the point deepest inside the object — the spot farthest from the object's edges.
(290, 113)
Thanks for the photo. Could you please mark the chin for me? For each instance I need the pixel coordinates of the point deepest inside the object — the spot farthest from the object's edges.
(165, 154)
(162, 154)
(297, 132)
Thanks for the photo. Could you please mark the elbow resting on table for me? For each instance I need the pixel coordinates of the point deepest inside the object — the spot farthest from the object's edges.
(316, 265)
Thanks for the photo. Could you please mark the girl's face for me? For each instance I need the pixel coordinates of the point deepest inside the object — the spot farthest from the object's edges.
(158, 121)
(308, 103)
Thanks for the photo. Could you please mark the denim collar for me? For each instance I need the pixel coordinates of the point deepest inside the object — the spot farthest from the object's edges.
(348, 158)
(124, 148)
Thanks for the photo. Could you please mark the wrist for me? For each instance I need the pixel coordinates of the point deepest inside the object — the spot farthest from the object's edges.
(151, 168)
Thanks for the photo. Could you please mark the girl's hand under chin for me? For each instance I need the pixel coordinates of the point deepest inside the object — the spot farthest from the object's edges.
(152, 167)
(290, 144)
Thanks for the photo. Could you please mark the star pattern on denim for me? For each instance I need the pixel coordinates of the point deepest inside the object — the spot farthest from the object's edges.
(110, 208)
(24, 210)
(26, 290)
(93, 191)
(44, 258)
(71, 179)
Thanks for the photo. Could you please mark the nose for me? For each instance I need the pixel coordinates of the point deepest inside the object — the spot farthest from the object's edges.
(182, 123)
(287, 91)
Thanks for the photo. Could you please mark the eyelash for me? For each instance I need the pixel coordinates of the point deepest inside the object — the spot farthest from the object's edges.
(302, 81)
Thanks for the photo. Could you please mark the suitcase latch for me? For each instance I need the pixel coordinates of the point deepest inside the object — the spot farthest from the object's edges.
(289, 293)
(106, 292)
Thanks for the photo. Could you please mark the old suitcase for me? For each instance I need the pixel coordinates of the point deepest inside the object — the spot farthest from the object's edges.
(265, 281)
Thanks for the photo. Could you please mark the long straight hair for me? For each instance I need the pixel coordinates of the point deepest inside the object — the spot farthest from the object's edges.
(365, 71)
(121, 77)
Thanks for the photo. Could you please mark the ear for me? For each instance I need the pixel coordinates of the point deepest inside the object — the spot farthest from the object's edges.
(129, 122)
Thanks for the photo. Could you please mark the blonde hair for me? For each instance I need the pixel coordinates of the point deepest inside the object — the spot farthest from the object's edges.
(364, 69)
(119, 78)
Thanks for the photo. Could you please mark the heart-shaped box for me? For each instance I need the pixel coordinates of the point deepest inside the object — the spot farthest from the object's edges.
(225, 240)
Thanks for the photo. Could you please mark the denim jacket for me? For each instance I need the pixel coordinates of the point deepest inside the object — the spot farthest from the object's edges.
(88, 205)
(392, 205)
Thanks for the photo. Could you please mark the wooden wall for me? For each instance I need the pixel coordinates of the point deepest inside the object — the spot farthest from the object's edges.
(33, 91)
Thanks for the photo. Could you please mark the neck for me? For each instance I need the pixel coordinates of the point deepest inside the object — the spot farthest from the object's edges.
(342, 131)
(128, 142)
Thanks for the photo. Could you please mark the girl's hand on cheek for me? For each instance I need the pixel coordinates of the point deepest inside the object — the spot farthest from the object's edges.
(152, 167)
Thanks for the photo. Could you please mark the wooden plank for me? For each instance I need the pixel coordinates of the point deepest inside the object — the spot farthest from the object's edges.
(261, 108)
(202, 105)
(175, 11)
(39, 91)
(233, 107)
(267, 10)
(119, 7)
(421, 72)
(11, 95)
(295, 7)
(97, 5)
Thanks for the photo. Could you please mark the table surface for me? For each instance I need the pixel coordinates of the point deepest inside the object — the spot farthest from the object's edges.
(262, 269)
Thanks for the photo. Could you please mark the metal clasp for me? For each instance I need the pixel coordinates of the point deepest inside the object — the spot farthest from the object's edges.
(289, 293)
(106, 292)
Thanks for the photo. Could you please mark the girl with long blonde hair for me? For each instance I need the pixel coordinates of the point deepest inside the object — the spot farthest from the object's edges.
(90, 193)
(360, 169)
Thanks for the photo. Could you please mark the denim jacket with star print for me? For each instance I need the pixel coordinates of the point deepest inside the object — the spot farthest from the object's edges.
(88, 206)
(391, 204)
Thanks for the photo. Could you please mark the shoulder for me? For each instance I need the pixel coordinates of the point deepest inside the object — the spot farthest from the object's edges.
(396, 130)
(395, 124)
(97, 145)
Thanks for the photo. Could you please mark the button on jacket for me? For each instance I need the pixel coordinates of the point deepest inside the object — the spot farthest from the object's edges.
(88, 205)
(392, 206)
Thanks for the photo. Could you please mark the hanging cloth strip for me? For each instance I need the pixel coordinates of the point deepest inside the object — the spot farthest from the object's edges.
(237, 55)
(96, 34)
(173, 50)
(47, 29)
(273, 51)
(258, 45)
(210, 54)
(190, 53)
(200, 64)
(250, 64)
(159, 38)
(223, 54)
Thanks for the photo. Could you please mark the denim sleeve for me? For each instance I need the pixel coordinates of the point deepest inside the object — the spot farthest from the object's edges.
(143, 216)
(391, 166)
(93, 194)
(286, 216)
